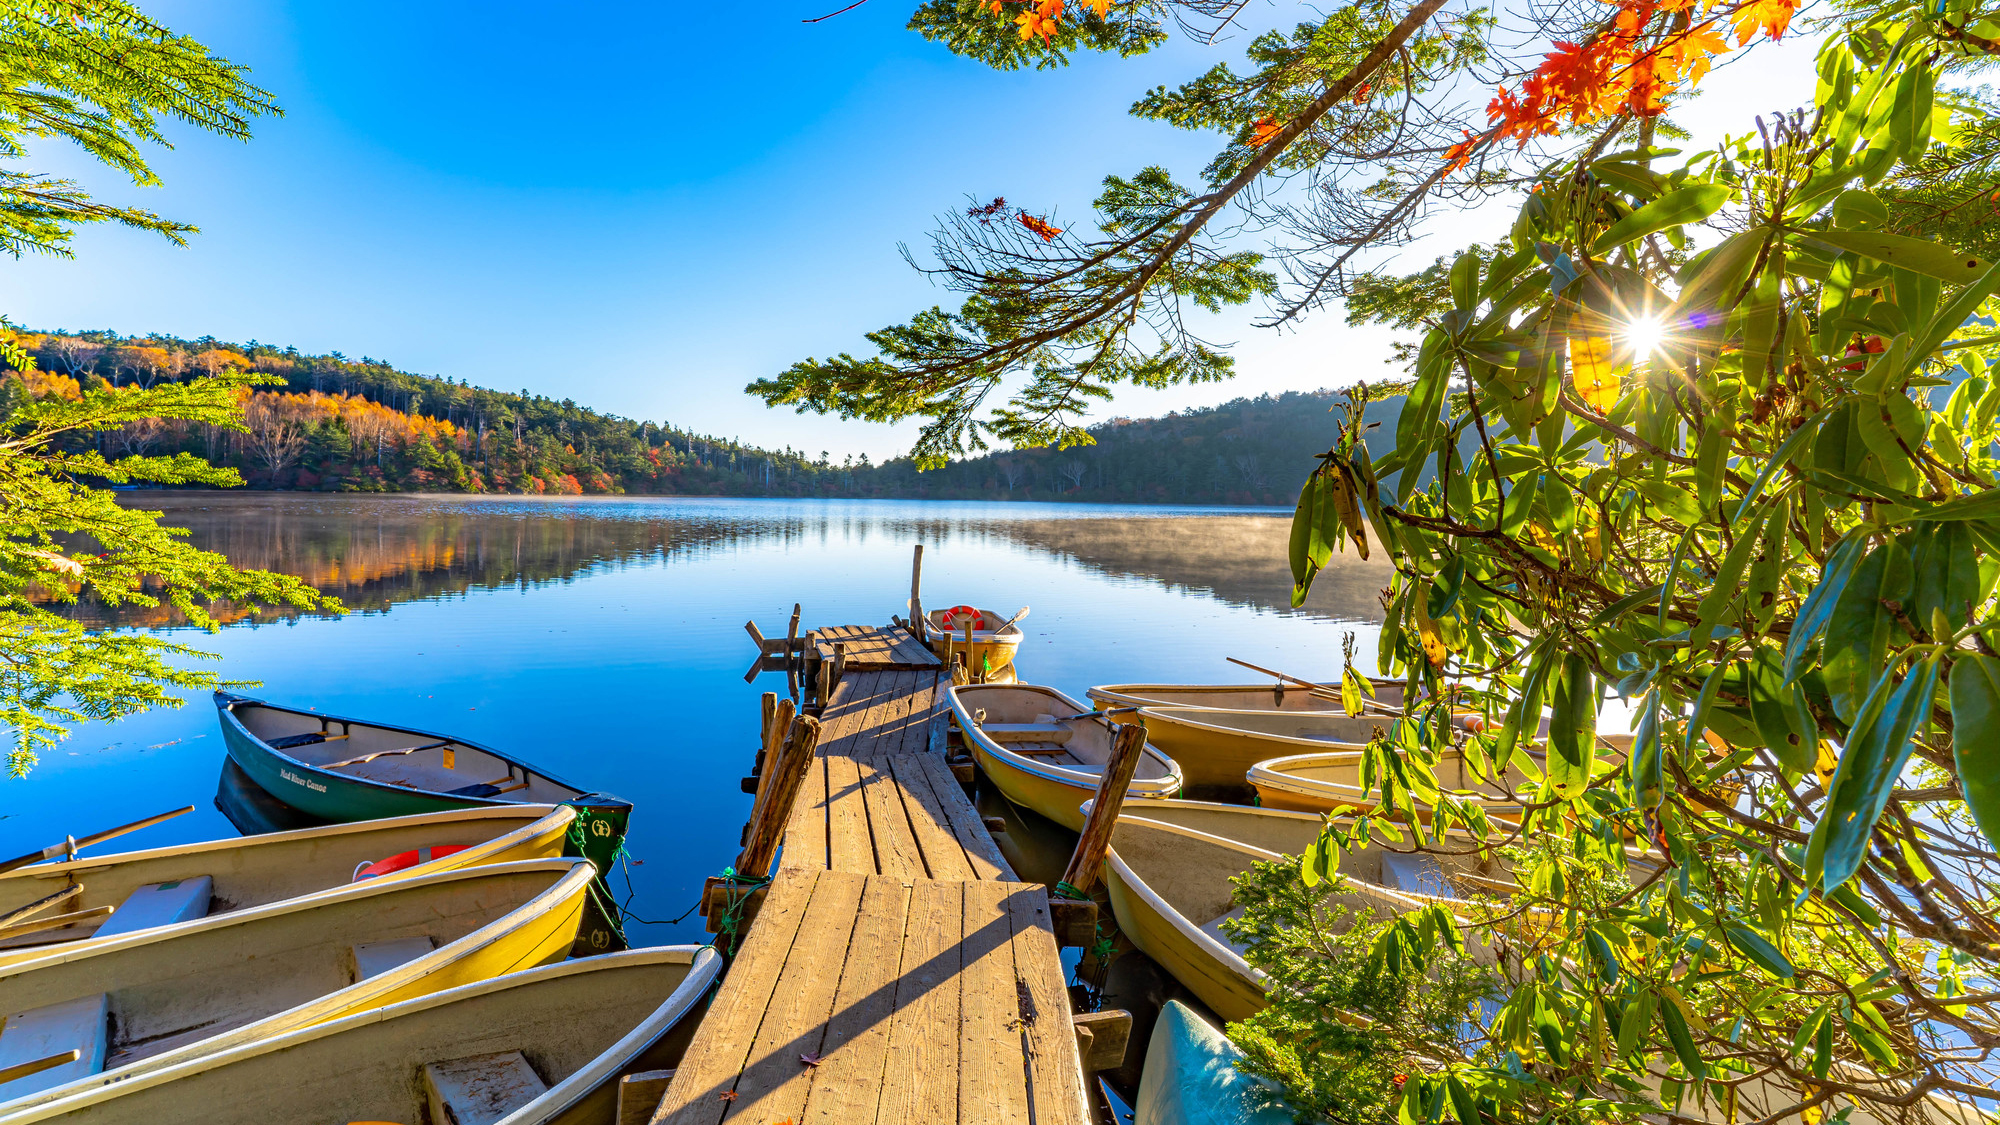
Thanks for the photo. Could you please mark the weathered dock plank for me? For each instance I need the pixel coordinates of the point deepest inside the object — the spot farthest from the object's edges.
(875, 648)
(897, 972)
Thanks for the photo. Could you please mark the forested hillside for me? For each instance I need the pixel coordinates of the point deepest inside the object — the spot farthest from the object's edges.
(361, 425)
(1246, 451)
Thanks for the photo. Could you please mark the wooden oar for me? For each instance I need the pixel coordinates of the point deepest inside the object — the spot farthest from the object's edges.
(39, 905)
(1320, 691)
(36, 1066)
(69, 846)
(1010, 621)
(55, 922)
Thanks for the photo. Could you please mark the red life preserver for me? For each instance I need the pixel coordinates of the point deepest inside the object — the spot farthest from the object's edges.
(952, 617)
(410, 858)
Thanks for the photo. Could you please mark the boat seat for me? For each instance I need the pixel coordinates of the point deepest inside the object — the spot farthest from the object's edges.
(82, 1024)
(481, 789)
(1027, 732)
(1213, 928)
(160, 904)
(373, 958)
(293, 741)
(481, 1089)
(1415, 873)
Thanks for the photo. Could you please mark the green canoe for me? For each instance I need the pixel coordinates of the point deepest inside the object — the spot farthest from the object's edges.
(341, 769)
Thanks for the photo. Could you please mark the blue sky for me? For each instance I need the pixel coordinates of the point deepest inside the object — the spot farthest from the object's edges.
(641, 207)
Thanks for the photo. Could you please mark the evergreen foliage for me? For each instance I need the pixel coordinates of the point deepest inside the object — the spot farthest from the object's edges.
(62, 537)
(101, 74)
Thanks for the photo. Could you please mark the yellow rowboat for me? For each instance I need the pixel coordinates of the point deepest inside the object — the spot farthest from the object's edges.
(1169, 872)
(992, 647)
(133, 1004)
(536, 1047)
(161, 886)
(1045, 752)
(1278, 696)
(1217, 748)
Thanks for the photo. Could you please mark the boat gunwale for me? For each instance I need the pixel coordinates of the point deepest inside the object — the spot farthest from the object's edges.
(569, 887)
(344, 892)
(55, 867)
(1173, 716)
(1130, 695)
(1010, 637)
(704, 965)
(1151, 789)
(1229, 957)
(1267, 774)
(226, 703)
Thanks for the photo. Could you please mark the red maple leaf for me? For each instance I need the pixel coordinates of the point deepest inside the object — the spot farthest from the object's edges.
(810, 1059)
(1041, 227)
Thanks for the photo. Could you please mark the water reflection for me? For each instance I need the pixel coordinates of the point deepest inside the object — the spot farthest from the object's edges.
(374, 552)
(603, 640)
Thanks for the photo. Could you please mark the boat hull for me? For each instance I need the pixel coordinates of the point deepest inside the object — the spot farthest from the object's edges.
(1191, 1078)
(581, 1024)
(1057, 800)
(597, 835)
(1160, 933)
(989, 651)
(256, 870)
(1053, 790)
(1213, 757)
(186, 991)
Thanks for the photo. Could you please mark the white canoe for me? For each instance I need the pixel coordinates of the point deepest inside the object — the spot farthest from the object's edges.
(535, 1047)
(136, 1003)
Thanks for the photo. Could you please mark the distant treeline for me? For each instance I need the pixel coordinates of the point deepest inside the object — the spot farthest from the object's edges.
(361, 425)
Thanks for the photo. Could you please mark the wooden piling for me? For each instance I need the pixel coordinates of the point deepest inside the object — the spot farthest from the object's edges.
(1127, 744)
(786, 775)
(917, 623)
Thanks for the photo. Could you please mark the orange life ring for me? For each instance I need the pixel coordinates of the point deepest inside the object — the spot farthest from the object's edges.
(401, 860)
(952, 616)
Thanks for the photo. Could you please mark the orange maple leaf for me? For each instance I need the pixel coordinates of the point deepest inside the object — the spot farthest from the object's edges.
(1047, 232)
(1263, 129)
(1771, 17)
(1101, 7)
(1035, 23)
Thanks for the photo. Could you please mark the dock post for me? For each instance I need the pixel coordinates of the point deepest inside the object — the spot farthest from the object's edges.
(917, 623)
(775, 730)
(774, 809)
(1127, 744)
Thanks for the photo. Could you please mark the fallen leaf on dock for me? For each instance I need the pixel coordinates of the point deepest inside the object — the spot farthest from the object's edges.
(810, 1059)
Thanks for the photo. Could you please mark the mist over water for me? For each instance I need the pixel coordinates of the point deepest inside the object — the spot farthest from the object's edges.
(602, 639)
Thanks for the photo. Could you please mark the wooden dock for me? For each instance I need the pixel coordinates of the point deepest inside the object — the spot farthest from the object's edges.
(897, 971)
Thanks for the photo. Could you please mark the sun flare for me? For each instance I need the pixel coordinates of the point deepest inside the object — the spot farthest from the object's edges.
(1644, 335)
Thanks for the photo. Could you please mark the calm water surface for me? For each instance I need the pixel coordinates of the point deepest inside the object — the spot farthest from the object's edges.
(603, 639)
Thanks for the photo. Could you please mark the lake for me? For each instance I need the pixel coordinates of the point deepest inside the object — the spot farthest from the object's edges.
(603, 638)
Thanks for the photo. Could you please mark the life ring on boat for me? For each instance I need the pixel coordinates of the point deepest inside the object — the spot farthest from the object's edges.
(954, 617)
(401, 860)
